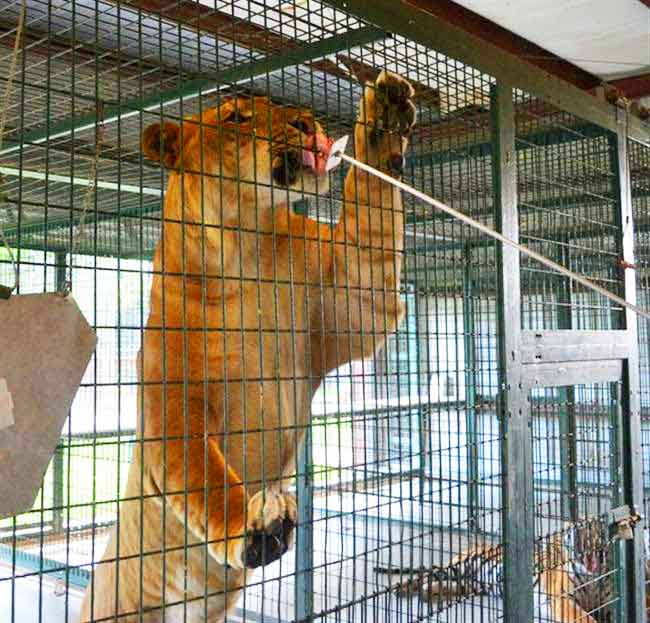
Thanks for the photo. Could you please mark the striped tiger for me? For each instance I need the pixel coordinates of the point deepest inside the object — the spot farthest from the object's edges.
(573, 583)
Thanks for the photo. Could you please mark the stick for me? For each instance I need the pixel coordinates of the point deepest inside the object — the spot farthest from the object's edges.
(493, 234)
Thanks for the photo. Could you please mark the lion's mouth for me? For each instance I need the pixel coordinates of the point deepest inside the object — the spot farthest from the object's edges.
(316, 152)
(291, 163)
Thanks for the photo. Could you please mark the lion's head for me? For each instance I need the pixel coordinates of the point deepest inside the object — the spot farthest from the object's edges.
(247, 151)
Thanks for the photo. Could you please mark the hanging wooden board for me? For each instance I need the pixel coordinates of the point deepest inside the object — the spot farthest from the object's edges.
(45, 347)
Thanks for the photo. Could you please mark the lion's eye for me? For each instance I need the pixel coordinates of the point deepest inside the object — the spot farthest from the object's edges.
(302, 125)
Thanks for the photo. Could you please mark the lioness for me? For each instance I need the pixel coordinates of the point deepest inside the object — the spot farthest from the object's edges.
(251, 306)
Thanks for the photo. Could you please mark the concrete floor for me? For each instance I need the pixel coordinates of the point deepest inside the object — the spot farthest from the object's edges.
(340, 595)
(346, 548)
(346, 589)
(28, 600)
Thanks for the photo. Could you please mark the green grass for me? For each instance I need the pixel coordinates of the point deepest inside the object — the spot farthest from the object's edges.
(93, 477)
(94, 474)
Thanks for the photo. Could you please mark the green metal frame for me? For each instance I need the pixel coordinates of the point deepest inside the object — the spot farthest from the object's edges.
(514, 411)
(66, 223)
(469, 329)
(58, 467)
(544, 138)
(304, 584)
(631, 453)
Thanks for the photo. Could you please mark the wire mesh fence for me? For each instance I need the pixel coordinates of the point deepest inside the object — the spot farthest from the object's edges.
(640, 184)
(167, 158)
(569, 210)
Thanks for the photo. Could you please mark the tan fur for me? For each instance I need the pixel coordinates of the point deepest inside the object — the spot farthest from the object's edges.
(277, 301)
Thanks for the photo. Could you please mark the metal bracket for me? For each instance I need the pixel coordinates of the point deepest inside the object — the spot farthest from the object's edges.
(572, 345)
(622, 520)
(570, 373)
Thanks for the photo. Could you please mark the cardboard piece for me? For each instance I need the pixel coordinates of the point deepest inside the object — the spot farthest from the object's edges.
(6, 405)
(45, 347)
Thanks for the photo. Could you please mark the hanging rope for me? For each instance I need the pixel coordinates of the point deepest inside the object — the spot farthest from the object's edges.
(337, 153)
(100, 130)
(5, 291)
(66, 286)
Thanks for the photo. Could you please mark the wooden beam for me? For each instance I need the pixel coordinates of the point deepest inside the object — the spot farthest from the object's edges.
(205, 19)
(227, 27)
(60, 48)
(508, 41)
(634, 86)
(646, 2)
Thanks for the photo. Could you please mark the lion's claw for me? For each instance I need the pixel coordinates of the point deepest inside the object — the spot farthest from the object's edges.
(394, 107)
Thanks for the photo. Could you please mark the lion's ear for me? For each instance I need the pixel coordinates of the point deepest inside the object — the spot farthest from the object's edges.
(162, 143)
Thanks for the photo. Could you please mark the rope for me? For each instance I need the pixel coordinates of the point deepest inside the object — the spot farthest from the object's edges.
(587, 283)
(3, 120)
(100, 130)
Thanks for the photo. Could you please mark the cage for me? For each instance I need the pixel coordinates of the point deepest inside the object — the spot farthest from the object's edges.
(488, 460)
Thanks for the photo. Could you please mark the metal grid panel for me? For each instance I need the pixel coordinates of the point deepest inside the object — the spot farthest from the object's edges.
(568, 209)
(576, 466)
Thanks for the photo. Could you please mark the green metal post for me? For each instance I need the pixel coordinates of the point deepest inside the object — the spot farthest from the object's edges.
(58, 484)
(423, 367)
(52, 226)
(566, 395)
(484, 150)
(304, 583)
(631, 456)
(470, 392)
(513, 407)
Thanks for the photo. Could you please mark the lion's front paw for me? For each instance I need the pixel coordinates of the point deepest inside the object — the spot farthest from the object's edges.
(272, 516)
(270, 519)
(393, 108)
(386, 118)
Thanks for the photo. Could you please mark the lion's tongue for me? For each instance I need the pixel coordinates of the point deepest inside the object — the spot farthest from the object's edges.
(316, 153)
(308, 159)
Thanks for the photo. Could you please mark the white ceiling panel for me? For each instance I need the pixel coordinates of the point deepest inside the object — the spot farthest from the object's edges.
(608, 38)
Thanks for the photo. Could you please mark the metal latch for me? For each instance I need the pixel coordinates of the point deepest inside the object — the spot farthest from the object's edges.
(622, 521)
